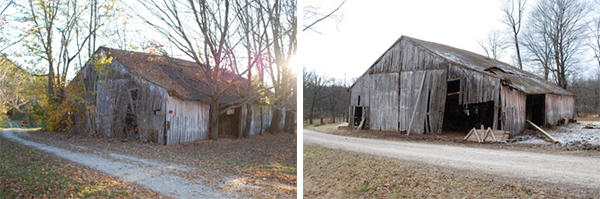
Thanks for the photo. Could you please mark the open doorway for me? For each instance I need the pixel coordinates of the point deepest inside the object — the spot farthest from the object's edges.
(229, 123)
(359, 116)
(463, 117)
(535, 108)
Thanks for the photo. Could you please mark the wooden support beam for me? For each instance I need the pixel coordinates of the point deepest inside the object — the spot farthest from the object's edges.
(417, 105)
(536, 127)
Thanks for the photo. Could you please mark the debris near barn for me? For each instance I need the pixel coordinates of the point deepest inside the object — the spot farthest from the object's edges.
(591, 126)
(487, 135)
(426, 87)
(343, 126)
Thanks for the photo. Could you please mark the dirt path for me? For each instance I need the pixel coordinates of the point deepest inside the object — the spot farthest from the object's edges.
(157, 176)
(569, 170)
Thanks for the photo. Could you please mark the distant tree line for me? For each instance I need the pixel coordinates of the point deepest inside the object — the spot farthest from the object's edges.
(324, 97)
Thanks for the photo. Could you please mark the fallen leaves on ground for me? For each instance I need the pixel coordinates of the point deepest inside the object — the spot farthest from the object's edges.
(267, 163)
(29, 173)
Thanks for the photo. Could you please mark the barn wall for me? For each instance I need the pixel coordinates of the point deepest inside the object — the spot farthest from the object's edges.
(150, 111)
(188, 120)
(108, 94)
(558, 107)
(513, 110)
(383, 101)
(475, 87)
(261, 119)
(407, 56)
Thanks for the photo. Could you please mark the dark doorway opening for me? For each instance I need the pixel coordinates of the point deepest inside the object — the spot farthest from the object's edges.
(130, 130)
(535, 106)
(462, 118)
(359, 115)
(230, 122)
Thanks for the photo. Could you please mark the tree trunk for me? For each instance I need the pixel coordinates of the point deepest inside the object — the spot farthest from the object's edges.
(290, 122)
(213, 128)
(248, 125)
(518, 51)
(275, 120)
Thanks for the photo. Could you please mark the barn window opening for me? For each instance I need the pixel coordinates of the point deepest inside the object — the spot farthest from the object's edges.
(453, 87)
(359, 100)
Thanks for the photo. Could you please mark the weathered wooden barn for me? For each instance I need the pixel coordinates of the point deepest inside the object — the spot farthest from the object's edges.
(425, 87)
(154, 98)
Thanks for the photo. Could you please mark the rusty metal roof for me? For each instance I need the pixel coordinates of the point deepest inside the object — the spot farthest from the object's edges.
(516, 78)
(181, 78)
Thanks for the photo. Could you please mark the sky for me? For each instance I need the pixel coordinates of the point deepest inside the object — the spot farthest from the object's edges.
(367, 29)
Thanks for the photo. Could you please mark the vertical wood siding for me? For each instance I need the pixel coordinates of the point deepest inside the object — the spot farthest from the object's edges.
(558, 107)
(261, 118)
(406, 56)
(383, 100)
(475, 87)
(513, 110)
(188, 120)
(422, 101)
(108, 96)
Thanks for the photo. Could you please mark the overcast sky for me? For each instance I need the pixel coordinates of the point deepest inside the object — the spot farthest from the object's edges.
(369, 28)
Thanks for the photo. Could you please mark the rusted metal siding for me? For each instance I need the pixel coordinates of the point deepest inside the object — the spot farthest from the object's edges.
(513, 110)
(187, 120)
(558, 107)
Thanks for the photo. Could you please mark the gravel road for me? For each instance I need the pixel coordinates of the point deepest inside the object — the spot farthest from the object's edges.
(157, 176)
(576, 171)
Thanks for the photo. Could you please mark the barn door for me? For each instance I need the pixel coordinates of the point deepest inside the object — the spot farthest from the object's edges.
(421, 102)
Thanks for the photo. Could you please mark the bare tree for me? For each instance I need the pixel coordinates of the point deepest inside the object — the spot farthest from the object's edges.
(253, 31)
(313, 85)
(313, 15)
(210, 33)
(282, 14)
(594, 43)
(539, 50)
(494, 44)
(512, 16)
(58, 36)
(561, 22)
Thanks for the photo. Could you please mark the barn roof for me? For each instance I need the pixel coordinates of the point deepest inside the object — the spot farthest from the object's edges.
(181, 78)
(515, 77)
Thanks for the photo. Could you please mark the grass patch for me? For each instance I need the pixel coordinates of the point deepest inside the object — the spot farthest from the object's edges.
(338, 174)
(290, 170)
(28, 173)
